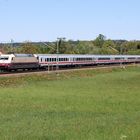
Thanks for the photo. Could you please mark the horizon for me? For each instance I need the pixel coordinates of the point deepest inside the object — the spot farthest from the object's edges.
(45, 20)
(30, 41)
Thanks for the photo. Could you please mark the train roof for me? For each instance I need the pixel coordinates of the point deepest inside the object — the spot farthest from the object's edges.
(83, 55)
(6, 55)
(23, 55)
(67, 55)
(18, 55)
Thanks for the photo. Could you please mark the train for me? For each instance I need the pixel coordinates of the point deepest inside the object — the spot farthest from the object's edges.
(10, 62)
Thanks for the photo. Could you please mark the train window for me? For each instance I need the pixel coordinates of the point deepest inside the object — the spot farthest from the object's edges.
(131, 58)
(4, 58)
(90, 59)
(117, 58)
(53, 59)
(65, 59)
(45, 59)
(62, 59)
(48, 59)
(103, 58)
(81, 59)
(41, 59)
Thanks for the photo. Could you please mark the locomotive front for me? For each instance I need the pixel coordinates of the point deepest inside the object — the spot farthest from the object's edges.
(5, 61)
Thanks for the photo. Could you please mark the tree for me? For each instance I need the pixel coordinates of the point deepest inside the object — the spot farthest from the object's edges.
(29, 48)
(99, 41)
(110, 46)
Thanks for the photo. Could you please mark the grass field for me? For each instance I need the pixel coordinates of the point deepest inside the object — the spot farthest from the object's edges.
(92, 105)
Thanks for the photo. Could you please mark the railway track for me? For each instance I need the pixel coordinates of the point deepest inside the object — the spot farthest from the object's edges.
(46, 71)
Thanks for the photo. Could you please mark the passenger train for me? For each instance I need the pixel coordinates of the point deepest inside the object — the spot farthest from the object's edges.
(38, 61)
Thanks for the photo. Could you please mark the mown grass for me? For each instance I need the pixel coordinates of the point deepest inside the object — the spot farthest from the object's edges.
(87, 105)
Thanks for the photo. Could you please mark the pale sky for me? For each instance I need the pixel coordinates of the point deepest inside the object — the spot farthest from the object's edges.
(45, 20)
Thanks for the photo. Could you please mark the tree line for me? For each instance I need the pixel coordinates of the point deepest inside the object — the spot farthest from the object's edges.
(100, 45)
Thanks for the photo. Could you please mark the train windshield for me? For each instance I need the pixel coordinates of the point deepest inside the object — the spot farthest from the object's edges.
(4, 58)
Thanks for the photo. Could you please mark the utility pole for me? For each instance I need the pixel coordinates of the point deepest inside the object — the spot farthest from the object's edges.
(58, 44)
(12, 46)
(52, 47)
(121, 53)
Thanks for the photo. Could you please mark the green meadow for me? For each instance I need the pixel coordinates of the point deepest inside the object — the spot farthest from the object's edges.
(80, 105)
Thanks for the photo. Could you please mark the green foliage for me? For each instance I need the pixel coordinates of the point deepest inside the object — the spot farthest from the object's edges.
(100, 45)
(29, 48)
(99, 41)
(134, 52)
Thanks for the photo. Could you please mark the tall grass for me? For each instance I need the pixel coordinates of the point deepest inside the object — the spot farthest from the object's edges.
(87, 105)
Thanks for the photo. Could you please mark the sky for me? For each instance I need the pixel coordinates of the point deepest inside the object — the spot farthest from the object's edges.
(46, 20)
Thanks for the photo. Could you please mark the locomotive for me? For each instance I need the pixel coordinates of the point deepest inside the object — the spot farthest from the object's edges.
(18, 61)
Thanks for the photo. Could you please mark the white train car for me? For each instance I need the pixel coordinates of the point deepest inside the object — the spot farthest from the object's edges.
(46, 60)
(53, 59)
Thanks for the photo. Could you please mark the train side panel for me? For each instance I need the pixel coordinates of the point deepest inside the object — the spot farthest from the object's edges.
(24, 62)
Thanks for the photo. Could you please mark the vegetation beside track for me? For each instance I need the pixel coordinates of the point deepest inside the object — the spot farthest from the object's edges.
(100, 45)
(89, 104)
